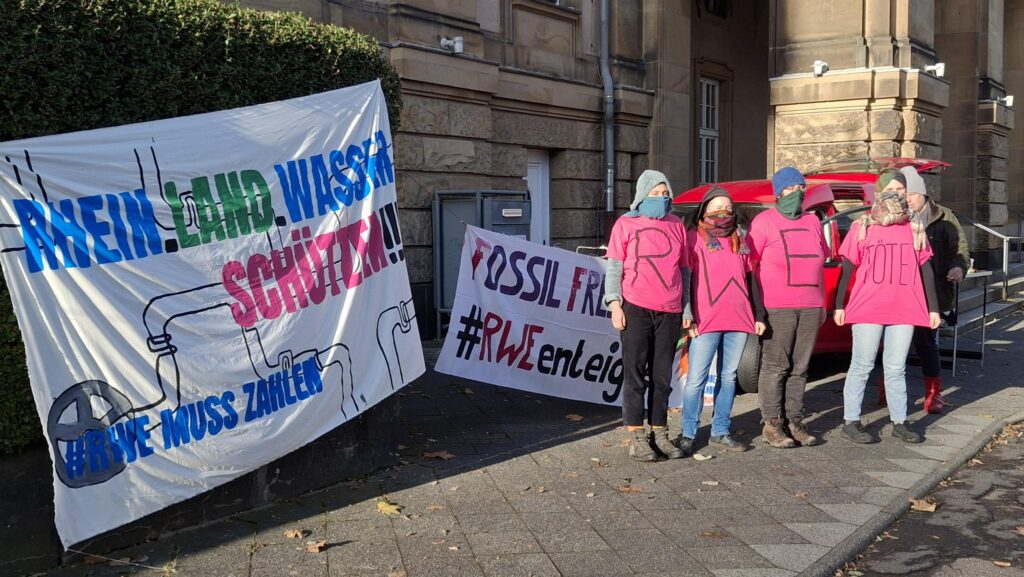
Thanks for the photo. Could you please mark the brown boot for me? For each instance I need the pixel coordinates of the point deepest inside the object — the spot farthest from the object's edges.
(775, 435)
(801, 435)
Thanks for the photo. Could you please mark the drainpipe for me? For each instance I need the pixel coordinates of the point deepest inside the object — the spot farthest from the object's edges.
(609, 109)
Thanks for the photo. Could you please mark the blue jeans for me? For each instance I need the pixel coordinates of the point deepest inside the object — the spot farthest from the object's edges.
(729, 346)
(894, 366)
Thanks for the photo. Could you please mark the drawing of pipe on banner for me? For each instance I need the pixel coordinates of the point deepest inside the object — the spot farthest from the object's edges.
(92, 449)
(394, 334)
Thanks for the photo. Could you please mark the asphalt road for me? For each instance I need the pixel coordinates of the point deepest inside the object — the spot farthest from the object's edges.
(977, 529)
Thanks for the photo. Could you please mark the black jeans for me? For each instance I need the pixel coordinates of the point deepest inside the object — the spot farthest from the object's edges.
(927, 349)
(785, 353)
(648, 355)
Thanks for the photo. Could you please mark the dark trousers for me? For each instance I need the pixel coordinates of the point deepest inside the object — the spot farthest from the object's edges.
(785, 353)
(927, 348)
(648, 354)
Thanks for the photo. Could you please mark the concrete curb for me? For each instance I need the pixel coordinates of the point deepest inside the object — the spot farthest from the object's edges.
(827, 565)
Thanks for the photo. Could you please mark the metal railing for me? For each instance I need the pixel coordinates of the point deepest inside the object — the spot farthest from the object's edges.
(1006, 248)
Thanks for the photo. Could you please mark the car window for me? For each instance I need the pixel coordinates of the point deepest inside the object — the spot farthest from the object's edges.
(745, 212)
(844, 219)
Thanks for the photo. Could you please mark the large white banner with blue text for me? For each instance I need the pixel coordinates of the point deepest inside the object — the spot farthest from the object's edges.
(201, 295)
(530, 317)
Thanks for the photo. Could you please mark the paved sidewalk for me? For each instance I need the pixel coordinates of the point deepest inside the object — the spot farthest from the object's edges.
(496, 482)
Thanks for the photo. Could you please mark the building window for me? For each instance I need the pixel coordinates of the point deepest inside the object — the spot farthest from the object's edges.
(718, 8)
(710, 132)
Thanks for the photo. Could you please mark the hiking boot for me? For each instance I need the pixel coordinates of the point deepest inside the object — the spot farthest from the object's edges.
(727, 443)
(686, 445)
(664, 445)
(775, 435)
(640, 446)
(856, 433)
(802, 436)
(903, 432)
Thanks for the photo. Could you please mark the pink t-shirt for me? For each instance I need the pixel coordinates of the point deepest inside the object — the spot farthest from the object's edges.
(653, 254)
(791, 259)
(887, 287)
(721, 300)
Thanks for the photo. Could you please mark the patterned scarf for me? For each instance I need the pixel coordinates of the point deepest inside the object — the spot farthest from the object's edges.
(721, 224)
(889, 209)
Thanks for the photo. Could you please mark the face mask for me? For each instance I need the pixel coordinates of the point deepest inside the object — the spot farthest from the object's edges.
(720, 222)
(654, 206)
(791, 205)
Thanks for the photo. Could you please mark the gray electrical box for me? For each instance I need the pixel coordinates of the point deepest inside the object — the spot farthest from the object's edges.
(502, 211)
(511, 217)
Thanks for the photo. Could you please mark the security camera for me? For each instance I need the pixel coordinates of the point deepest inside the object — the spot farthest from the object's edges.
(453, 44)
(1007, 100)
(938, 69)
(820, 67)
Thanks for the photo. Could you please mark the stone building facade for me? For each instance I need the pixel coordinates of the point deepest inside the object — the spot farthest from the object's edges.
(705, 90)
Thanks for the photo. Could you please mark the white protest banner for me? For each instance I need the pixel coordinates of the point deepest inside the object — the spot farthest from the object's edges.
(531, 317)
(201, 295)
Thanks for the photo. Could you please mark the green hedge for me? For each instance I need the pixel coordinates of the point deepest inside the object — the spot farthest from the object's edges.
(73, 65)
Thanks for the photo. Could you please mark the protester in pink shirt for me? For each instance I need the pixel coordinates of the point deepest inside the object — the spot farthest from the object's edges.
(887, 255)
(790, 250)
(726, 308)
(647, 270)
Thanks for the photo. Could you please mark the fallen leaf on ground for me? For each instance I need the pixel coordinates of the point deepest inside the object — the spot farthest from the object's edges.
(629, 489)
(801, 494)
(1002, 563)
(1019, 530)
(570, 474)
(976, 462)
(702, 457)
(388, 508)
(438, 455)
(454, 548)
(590, 495)
(541, 489)
(435, 507)
(93, 560)
(439, 542)
(397, 574)
(468, 391)
(927, 505)
(316, 546)
(710, 483)
(574, 417)
(713, 534)
(294, 534)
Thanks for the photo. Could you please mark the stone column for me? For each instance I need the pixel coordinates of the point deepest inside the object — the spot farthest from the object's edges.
(873, 101)
(969, 39)
(667, 54)
(1013, 78)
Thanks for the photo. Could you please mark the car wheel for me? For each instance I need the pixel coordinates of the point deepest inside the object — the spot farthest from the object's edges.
(750, 366)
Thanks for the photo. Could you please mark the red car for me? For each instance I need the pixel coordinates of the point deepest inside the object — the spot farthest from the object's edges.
(837, 193)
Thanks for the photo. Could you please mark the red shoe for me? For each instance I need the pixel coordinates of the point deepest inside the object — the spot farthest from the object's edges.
(933, 400)
(881, 392)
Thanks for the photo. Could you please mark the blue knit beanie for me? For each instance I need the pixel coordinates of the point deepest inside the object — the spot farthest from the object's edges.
(786, 177)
